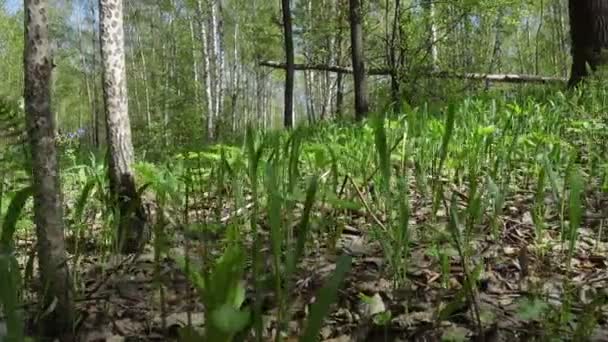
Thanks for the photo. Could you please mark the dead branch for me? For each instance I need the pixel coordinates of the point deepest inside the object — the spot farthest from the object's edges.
(500, 78)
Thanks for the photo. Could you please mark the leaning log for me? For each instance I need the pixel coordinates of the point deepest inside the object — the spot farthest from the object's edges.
(500, 78)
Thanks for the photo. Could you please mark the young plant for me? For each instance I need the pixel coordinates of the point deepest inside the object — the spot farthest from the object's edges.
(222, 291)
(10, 277)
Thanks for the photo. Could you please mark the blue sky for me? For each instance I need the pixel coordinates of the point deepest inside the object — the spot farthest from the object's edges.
(13, 5)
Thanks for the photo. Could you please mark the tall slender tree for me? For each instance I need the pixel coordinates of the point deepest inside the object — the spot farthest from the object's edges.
(358, 59)
(589, 33)
(205, 38)
(132, 229)
(48, 210)
(289, 58)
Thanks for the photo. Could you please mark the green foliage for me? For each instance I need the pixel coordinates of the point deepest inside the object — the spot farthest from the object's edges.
(223, 292)
(10, 278)
(327, 296)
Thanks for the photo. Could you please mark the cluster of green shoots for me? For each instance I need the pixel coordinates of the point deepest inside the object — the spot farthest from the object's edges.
(462, 162)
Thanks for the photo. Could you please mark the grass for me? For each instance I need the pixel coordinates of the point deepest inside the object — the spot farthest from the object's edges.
(444, 181)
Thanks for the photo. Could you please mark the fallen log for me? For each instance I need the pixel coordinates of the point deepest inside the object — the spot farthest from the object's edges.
(500, 78)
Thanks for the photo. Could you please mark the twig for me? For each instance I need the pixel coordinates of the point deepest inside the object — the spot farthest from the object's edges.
(108, 274)
(367, 207)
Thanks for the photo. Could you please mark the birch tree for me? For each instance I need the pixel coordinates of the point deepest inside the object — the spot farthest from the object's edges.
(132, 230)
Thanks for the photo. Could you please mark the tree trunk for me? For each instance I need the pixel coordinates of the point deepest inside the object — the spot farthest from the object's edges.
(132, 229)
(589, 34)
(339, 57)
(96, 114)
(195, 70)
(393, 58)
(495, 57)
(85, 73)
(144, 77)
(207, 75)
(56, 295)
(236, 66)
(308, 94)
(218, 49)
(289, 58)
(356, 38)
(432, 38)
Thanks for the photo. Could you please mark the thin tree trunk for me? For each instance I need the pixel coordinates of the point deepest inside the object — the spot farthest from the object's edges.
(259, 91)
(497, 47)
(132, 229)
(393, 58)
(339, 57)
(356, 34)
(537, 38)
(168, 56)
(235, 80)
(97, 108)
(144, 77)
(328, 91)
(56, 288)
(309, 96)
(561, 37)
(83, 61)
(195, 70)
(432, 37)
(218, 34)
(207, 75)
(289, 58)
(138, 110)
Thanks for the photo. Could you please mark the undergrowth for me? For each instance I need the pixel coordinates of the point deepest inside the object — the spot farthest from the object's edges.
(438, 178)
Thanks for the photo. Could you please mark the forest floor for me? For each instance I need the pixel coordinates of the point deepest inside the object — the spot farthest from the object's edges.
(523, 292)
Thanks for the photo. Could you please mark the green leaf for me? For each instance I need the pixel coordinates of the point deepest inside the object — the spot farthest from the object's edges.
(229, 319)
(303, 227)
(12, 216)
(327, 296)
(189, 334)
(531, 309)
(10, 277)
(82, 199)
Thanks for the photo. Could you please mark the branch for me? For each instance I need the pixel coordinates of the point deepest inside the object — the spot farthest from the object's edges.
(502, 78)
(323, 67)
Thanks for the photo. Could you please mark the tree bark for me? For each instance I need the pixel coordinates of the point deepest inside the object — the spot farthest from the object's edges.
(195, 70)
(289, 70)
(393, 58)
(432, 38)
(358, 59)
(218, 49)
(144, 77)
(236, 66)
(589, 34)
(97, 111)
(56, 288)
(207, 79)
(85, 73)
(133, 232)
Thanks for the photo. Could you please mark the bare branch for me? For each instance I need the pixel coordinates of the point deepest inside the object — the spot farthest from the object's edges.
(501, 78)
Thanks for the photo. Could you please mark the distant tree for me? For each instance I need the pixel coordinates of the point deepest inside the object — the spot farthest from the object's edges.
(56, 287)
(358, 59)
(289, 58)
(589, 34)
(132, 229)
